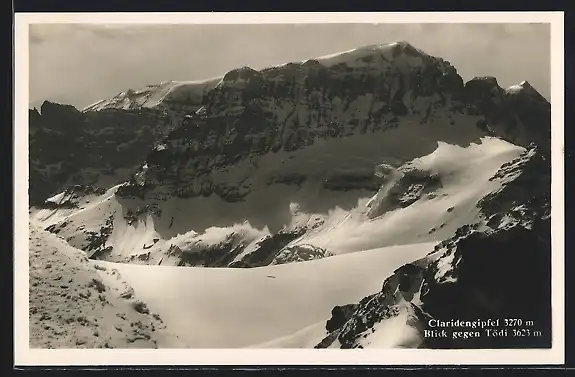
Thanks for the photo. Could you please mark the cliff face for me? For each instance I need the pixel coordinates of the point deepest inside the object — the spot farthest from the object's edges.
(69, 147)
(519, 114)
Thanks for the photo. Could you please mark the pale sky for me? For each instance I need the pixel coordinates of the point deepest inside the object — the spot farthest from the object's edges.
(79, 64)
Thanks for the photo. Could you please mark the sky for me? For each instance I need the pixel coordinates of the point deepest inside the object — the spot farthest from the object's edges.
(80, 64)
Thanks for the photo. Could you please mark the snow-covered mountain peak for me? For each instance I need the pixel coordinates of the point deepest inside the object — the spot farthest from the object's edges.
(371, 59)
(525, 89)
(525, 84)
(401, 56)
(152, 96)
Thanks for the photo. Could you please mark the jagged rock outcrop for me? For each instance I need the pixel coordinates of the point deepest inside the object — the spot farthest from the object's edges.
(352, 323)
(300, 253)
(72, 197)
(401, 188)
(217, 255)
(269, 249)
(526, 193)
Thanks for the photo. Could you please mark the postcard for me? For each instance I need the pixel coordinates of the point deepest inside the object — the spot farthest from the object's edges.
(289, 188)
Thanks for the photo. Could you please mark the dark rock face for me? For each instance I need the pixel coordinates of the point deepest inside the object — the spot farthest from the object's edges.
(70, 147)
(412, 186)
(268, 248)
(489, 286)
(288, 179)
(339, 316)
(97, 240)
(518, 114)
(219, 255)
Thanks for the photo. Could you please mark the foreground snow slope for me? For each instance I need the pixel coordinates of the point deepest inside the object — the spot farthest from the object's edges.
(74, 304)
(230, 308)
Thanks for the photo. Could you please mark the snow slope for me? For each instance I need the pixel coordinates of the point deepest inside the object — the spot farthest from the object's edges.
(76, 304)
(304, 338)
(464, 174)
(231, 308)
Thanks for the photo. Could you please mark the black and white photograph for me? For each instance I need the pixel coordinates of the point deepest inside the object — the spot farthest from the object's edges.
(290, 185)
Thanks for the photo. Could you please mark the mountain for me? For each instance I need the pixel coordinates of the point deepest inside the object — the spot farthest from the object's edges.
(294, 167)
(366, 90)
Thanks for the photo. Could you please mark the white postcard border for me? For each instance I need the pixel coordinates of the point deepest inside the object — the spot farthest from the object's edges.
(24, 356)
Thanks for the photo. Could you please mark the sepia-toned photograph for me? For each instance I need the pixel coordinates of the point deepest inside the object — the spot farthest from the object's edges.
(352, 185)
